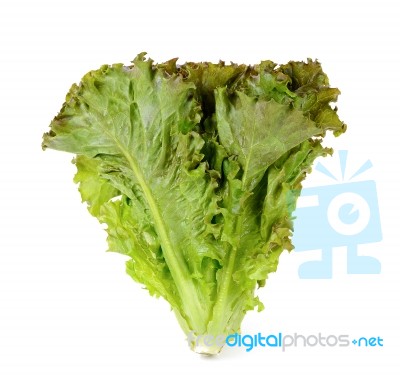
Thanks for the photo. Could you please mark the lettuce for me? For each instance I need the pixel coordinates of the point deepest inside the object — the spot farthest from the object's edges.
(195, 169)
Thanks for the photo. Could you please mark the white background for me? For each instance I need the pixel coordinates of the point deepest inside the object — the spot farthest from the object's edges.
(67, 308)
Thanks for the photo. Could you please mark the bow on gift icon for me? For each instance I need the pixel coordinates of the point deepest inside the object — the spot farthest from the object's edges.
(342, 214)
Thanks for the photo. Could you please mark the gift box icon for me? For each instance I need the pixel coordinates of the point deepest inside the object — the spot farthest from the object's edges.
(342, 214)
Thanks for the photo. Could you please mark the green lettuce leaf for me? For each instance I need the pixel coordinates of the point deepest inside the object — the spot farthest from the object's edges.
(195, 170)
